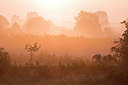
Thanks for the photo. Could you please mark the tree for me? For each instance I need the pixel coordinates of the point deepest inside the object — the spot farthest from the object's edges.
(31, 15)
(4, 24)
(32, 50)
(88, 24)
(16, 19)
(37, 25)
(16, 28)
(121, 46)
(5, 61)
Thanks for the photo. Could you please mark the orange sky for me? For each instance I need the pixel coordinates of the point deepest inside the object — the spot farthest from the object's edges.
(63, 14)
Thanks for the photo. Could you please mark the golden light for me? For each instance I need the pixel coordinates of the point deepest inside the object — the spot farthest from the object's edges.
(52, 4)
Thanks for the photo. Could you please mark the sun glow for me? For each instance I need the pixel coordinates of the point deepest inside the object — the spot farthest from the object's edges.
(52, 4)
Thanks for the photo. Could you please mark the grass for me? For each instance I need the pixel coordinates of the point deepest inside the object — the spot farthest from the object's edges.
(76, 72)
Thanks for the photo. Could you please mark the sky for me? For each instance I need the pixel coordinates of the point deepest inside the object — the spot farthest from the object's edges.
(62, 12)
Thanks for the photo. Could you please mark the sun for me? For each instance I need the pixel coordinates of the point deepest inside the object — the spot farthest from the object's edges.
(52, 4)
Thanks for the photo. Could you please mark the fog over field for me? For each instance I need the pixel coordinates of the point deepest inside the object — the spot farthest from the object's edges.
(63, 42)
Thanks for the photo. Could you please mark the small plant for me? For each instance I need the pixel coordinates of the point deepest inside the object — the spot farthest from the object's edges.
(32, 50)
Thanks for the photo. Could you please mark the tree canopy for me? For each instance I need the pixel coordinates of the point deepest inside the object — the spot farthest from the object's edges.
(121, 46)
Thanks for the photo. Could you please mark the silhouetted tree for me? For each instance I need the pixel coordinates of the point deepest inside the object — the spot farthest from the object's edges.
(121, 46)
(32, 50)
(5, 61)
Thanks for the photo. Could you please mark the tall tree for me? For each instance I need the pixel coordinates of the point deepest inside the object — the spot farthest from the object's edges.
(88, 24)
(5, 61)
(121, 46)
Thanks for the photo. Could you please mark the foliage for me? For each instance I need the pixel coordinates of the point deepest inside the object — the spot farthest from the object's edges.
(121, 46)
(37, 25)
(4, 24)
(32, 49)
(78, 71)
(88, 24)
(5, 61)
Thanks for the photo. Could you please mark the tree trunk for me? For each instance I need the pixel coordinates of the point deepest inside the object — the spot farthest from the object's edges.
(31, 55)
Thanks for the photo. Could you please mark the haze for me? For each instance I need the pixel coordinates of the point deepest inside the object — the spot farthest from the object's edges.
(63, 42)
(58, 25)
(63, 14)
